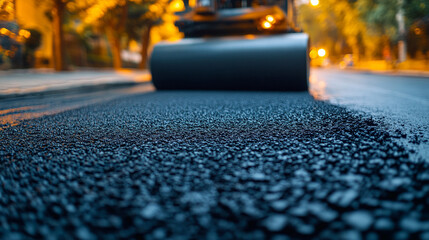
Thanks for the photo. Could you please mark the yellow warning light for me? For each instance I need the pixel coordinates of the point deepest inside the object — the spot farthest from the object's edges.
(321, 52)
(266, 25)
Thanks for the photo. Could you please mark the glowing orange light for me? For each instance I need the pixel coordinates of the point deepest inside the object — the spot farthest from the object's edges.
(192, 3)
(24, 33)
(321, 52)
(313, 54)
(249, 36)
(154, 8)
(314, 2)
(266, 25)
(417, 31)
(270, 18)
(177, 5)
(20, 39)
(4, 31)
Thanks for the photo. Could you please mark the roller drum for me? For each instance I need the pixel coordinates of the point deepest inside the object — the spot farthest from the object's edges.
(275, 63)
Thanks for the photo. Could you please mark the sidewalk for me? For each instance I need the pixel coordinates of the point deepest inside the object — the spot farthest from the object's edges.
(409, 68)
(402, 73)
(15, 83)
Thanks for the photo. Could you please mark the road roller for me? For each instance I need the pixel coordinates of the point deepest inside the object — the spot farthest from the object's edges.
(234, 45)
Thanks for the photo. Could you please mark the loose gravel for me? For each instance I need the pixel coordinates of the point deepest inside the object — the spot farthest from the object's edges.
(210, 165)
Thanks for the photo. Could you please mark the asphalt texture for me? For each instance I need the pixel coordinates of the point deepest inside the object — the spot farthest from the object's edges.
(210, 165)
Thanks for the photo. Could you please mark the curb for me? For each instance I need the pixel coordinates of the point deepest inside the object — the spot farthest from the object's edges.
(80, 89)
(393, 73)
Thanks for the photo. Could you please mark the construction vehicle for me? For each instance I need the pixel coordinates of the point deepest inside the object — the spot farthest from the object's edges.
(234, 45)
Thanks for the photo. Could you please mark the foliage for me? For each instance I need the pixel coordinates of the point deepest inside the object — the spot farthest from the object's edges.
(380, 17)
(121, 20)
(336, 25)
(353, 26)
(416, 9)
(6, 10)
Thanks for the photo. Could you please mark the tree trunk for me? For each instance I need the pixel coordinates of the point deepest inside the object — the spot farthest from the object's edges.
(58, 56)
(356, 53)
(116, 52)
(145, 46)
(291, 12)
(115, 47)
(114, 29)
(402, 45)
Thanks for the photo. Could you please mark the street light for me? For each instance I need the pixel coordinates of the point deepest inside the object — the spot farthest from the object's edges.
(314, 2)
(321, 52)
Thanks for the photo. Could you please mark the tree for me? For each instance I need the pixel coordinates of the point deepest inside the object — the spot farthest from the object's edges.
(321, 27)
(415, 10)
(56, 15)
(142, 18)
(31, 44)
(109, 16)
(335, 23)
(57, 21)
(119, 19)
(386, 18)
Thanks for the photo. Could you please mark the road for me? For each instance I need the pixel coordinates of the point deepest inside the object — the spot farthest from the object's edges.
(401, 102)
(343, 164)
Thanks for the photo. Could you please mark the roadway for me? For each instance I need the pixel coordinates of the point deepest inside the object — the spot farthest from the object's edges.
(349, 161)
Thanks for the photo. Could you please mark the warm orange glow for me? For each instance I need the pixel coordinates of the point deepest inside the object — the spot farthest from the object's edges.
(318, 88)
(4, 31)
(24, 33)
(266, 25)
(321, 52)
(9, 9)
(313, 54)
(177, 6)
(270, 19)
(314, 2)
(14, 116)
(249, 36)
(20, 39)
(154, 8)
(192, 3)
(417, 31)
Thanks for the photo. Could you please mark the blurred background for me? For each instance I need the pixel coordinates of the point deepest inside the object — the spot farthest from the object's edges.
(74, 34)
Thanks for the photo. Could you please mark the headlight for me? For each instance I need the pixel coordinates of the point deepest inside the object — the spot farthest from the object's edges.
(270, 19)
(267, 22)
(266, 25)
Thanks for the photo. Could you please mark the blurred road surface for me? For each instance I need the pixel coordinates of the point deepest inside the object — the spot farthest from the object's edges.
(219, 165)
(401, 102)
(20, 82)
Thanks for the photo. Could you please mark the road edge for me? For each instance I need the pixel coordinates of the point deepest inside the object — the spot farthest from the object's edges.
(84, 88)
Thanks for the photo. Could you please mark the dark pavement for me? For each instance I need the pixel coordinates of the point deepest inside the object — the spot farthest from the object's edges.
(401, 102)
(215, 165)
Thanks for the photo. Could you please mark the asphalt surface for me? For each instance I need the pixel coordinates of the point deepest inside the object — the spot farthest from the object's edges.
(401, 102)
(215, 165)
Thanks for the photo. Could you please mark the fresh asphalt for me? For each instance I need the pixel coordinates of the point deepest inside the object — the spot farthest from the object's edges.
(215, 165)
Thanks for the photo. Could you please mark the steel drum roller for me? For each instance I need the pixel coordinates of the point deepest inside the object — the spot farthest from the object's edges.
(274, 62)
